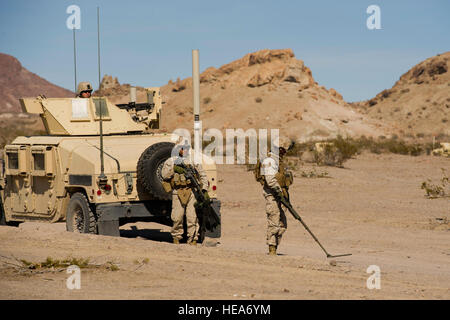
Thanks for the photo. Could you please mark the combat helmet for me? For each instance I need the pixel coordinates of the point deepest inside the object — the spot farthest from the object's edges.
(84, 86)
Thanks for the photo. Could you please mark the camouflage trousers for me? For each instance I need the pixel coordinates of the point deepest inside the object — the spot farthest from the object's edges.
(276, 220)
(178, 212)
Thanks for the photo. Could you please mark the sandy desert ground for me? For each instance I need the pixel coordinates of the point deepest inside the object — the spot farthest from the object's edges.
(373, 208)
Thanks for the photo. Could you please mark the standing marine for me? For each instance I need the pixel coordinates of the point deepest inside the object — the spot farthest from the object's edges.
(182, 197)
(275, 179)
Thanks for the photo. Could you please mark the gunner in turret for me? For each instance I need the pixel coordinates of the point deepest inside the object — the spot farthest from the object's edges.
(84, 90)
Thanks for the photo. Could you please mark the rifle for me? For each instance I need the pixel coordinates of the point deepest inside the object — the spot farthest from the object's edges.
(209, 216)
(288, 205)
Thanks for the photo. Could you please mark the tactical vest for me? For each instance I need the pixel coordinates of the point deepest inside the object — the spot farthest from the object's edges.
(181, 184)
(284, 177)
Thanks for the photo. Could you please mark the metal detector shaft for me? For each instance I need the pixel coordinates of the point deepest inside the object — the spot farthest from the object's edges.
(287, 204)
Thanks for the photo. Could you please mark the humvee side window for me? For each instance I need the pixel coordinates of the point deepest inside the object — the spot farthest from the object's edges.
(39, 161)
(80, 109)
(13, 161)
(101, 103)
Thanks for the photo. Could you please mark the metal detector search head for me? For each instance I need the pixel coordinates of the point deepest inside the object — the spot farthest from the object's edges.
(338, 255)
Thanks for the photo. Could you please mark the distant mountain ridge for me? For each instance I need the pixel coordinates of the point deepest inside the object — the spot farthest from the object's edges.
(419, 102)
(263, 89)
(274, 89)
(17, 82)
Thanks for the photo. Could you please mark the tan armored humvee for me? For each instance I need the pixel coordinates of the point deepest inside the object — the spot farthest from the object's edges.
(58, 177)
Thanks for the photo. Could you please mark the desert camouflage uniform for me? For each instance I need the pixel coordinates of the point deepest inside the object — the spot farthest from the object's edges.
(183, 199)
(276, 218)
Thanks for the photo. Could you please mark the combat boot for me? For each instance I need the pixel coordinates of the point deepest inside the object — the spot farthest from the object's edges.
(176, 241)
(272, 250)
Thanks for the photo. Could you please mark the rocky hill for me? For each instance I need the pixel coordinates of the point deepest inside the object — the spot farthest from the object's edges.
(419, 102)
(264, 89)
(17, 82)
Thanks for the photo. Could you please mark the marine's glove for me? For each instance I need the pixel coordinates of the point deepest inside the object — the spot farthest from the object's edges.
(206, 195)
(281, 196)
(179, 170)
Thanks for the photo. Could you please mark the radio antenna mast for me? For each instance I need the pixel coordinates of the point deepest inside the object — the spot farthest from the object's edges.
(75, 58)
(102, 177)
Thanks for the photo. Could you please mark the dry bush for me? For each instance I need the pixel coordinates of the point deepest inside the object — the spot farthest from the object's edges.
(420, 135)
(437, 190)
(337, 151)
(207, 100)
(53, 264)
(330, 156)
(314, 174)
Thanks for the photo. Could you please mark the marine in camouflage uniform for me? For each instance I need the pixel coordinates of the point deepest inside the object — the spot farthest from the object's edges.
(277, 179)
(182, 197)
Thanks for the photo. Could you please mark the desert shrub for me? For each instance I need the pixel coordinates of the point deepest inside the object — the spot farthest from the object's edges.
(347, 147)
(398, 147)
(437, 190)
(330, 156)
(206, 100)
(415, 150)
(56, 263)
(51, 263)
(314, 174)
(334, 152)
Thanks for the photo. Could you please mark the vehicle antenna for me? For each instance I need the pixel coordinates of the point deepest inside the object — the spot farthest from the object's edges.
(75, 58)
(102, 176)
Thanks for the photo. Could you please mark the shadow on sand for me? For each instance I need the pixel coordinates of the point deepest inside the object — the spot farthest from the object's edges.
(150, 234)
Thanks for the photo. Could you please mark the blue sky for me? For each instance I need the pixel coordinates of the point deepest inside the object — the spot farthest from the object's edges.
(147, 43)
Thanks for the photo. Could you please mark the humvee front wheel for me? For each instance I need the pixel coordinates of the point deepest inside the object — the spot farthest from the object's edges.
(79, 217)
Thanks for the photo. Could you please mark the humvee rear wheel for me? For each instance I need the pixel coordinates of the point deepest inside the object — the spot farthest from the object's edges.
(149, 169)
(79, 217)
